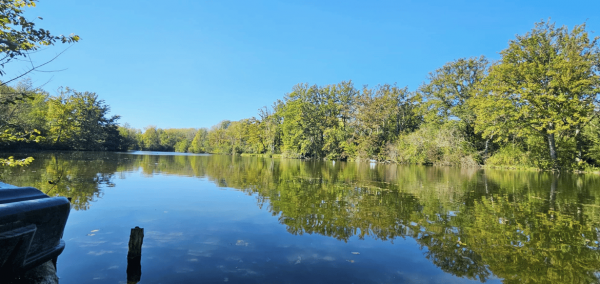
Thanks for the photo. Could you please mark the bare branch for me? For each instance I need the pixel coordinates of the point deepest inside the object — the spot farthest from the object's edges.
(35, 67)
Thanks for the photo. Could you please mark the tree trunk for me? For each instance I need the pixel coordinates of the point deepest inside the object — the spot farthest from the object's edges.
(551, 143)
(578, 147)
(485, 152)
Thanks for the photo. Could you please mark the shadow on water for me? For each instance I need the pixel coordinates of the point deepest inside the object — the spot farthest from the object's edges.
(522, 227)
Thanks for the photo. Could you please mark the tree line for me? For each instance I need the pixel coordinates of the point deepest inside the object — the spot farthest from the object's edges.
(70, 120)
(537, 106)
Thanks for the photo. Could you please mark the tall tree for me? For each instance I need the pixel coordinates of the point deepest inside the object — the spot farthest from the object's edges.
(18, 37)
(94, 127)
(383, 113)
(60, 119)
(546, 83)
(341, 107)
(80, 121)
(200, 142)
(22, 118)
(315, 119)
(270, 124)
(128, 137)
(151, 139)
(449, 90)
(302, 118)
(217, 137)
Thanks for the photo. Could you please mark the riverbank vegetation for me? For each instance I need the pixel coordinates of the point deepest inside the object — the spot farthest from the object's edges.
(19, 38)
(70, 120)
(536, 107)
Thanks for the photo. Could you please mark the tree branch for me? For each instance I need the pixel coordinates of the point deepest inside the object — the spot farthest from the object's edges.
(35, 67)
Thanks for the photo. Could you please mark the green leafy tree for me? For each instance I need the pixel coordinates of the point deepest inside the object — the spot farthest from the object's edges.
(94, 128)
(182, 146)
(316, 120)
(18, 37)
(302, 122)
(449, 91)
(24, 115)
(128, 137)
(218, 139)
(270, 125)
(546, 84)
(591, 137)
(150, 139)
(383, 113)
(22, 121)
(236, 134)
(256, 138)
(450, 88)
(339, 131)
(80, 121)
(200, 142)
(61, 120)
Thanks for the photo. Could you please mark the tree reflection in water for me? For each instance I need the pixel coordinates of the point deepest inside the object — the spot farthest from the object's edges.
(520, 226)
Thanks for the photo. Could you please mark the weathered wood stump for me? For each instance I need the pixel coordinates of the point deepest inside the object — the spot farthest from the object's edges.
(134, 255)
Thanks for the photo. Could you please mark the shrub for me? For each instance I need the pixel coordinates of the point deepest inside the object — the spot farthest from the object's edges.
(437, 145)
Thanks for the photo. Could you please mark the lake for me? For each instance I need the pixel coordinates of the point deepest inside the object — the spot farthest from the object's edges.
(232, 219)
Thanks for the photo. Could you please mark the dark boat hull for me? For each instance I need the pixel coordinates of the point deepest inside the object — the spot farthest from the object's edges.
(31, 228)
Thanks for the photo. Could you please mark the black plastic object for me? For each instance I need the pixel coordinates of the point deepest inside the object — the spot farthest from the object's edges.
(31, 228)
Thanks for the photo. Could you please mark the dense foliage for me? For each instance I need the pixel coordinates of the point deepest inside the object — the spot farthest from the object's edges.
(534, 108)
(19, 37)
(71, 120)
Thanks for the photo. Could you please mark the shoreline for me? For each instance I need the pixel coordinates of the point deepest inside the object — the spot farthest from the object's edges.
(595, 171)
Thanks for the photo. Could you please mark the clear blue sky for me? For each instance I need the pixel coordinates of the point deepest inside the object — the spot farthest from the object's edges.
(177, 64)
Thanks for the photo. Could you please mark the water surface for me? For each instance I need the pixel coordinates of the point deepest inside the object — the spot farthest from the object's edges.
(231, 219)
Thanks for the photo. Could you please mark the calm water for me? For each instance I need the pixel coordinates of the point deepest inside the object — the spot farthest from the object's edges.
(219, 219)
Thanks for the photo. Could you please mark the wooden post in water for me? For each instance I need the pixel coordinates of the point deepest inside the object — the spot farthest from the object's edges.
(134, 255)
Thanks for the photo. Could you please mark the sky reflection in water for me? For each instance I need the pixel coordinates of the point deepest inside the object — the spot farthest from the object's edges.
(221, 219)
